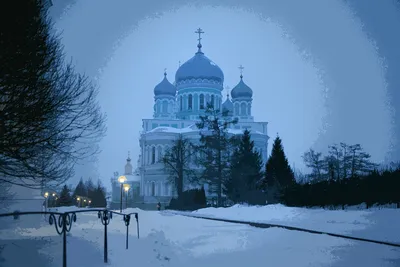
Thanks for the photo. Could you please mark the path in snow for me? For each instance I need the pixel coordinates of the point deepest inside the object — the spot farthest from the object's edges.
(180, 241)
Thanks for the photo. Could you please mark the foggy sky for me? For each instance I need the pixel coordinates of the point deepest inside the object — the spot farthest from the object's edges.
(316, 73)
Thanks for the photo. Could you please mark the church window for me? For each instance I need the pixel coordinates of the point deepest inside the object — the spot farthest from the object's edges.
(190, 102)
(159, 153)
(201, 101)
(212, 100)
(164, 107)
(243, 109)
(181, 103)
(237, 109)
(153, 155)
(153, 189)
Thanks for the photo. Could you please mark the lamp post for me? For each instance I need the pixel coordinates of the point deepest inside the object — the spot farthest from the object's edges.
(126, 188)
(122, 179)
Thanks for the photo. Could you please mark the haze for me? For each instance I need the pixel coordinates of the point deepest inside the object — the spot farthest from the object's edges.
(316, 74)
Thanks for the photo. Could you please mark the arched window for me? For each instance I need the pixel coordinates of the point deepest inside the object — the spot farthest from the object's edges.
(201, 101)
(153, 189)
(181, 103)
(237, 109)
(153, 155)
(190, 102)
(212, 101)
(159, 153)
(164, 106)
(243, 109)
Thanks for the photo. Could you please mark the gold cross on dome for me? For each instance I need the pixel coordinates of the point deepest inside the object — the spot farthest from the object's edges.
(199, 32)
(241, 68)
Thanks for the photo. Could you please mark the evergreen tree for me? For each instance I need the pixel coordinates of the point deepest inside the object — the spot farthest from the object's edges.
(245, 170)
(90, 188)
(215, 145)
(278, 173)
(65, 198)
(80, 189)
(99, 196)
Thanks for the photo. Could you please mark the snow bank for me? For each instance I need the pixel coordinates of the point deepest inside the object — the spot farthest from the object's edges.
(375, 223)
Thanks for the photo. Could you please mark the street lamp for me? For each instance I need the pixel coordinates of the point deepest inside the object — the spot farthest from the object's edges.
(126, 188)
(122, 179)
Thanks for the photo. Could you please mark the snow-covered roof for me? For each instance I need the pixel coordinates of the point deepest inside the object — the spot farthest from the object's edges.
(193, 128)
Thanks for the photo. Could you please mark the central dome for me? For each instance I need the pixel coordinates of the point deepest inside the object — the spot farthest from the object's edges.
(199, 67)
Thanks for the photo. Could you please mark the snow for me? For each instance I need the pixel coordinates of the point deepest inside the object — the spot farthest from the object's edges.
(167, 239)
(193, 128)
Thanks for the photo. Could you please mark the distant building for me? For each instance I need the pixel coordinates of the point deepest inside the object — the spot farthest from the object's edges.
(177, 107)
(133, 179)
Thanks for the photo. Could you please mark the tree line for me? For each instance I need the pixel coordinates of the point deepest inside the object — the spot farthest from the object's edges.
(345, 176)
(85, 194)
(49, 114)
(234, 172)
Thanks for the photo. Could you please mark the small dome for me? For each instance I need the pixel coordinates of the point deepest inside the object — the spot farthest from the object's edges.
(165, 87)
(241, 90)
(228, 106)
(199, 67)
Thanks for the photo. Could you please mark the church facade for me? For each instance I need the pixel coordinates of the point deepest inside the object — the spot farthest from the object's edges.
(177, 107)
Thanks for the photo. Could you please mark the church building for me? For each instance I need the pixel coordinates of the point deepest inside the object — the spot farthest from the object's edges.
(177, 107)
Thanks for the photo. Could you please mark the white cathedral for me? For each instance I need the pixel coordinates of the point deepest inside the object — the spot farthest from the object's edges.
(177, 107)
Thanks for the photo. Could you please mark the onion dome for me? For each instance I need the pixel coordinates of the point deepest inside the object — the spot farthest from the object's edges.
(165, 87)
(228, 105)
(241, 90)
(200, 67)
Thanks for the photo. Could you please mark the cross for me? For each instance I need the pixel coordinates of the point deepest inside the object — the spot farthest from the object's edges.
(227, 91)
(199, 32)
(129, 153)
(241, 69)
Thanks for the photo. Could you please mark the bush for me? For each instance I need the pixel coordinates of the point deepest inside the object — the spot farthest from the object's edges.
(190, 200)
(375, 188)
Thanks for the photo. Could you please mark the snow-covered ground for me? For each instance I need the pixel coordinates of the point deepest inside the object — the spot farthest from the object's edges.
(173, 240)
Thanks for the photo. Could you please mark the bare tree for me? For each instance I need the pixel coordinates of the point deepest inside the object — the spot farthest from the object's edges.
(177, 162)
(314, 161)
(360, 161)
(49, 116)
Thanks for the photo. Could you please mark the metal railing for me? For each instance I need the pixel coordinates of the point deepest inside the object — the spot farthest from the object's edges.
(63, 223)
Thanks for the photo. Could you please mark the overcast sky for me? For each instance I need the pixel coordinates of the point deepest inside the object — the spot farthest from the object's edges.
(316, 75)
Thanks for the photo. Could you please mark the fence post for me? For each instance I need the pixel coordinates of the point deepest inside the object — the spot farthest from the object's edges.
(127, 219)
(137, 224)
(105, 217)
(64, 219)
(63, 226)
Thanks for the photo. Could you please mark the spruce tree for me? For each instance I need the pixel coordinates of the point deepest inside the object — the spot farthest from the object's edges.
(90, 188)
(80, 189)
(245, 170)
(278, 173)
(99, 196)
(215, 144)
(65, 198)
